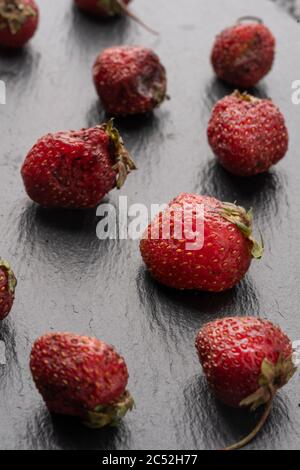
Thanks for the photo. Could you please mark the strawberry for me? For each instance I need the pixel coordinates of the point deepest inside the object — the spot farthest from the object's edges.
(248, 135)
(76, 169)
(18, 22)
(171, 250)
(81, 376)
(110, 8)
(246, 361)
(103, 8)
(129, 80)
(8, 284)
(243, 54)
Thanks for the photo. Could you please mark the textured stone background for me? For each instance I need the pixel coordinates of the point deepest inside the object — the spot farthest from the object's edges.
(58, 256)
(292, 6)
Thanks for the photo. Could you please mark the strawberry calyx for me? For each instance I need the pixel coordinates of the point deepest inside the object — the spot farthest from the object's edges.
(12, 281)
(245, 97)
(123, 162)
(13, 14)
(244, 221)
(271, 379)
(104, 415)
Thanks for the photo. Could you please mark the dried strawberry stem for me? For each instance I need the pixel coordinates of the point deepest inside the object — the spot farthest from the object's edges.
(272, 378)
(109, 414)
(250, 18)
(255, 431)
(244, 222)
(126, 10)
(123, 162)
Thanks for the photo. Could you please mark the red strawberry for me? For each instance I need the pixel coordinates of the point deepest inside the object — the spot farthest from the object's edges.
(76, 169)
(103, 8)
(243, 54)
(18, 22)
(177, 260)
(129, 80)
(109, 8)
(81, 376)
(246, 360)
(8, 284)
(248, 135)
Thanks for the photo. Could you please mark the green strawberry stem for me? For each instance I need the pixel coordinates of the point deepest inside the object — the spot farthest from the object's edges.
(124, 8)
(123, 162)
(244, 222)
(272, 378)
(255, 431)
(14, 14)
(109, 414)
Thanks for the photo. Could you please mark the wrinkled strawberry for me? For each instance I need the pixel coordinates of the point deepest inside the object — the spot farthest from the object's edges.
(246, 360)
(81, 376)
(109, 8)
(248, 135)
(129, 80)
(76, 169)
(223, 260)
(243, 54)
(102, 7)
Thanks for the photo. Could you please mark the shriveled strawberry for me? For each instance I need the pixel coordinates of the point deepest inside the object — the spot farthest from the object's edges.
(18, 22)
(103, 8)
(179, 254)
(81, 376)
(109, 8)
(246, 360)
(244, 53)
(129, 80)
(76, 169)
(247, 134)
(8, 284)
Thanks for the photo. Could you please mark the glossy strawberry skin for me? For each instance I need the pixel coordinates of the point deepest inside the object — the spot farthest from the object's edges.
(7, 289)
(220, 264)
(101, 8)
(16, 33)
(243, 54)
(70, 169)
(129, 80)
(76, 374)
(231, 352)
(248, 135)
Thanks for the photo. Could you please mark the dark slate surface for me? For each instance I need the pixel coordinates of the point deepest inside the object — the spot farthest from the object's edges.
(69, 280)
